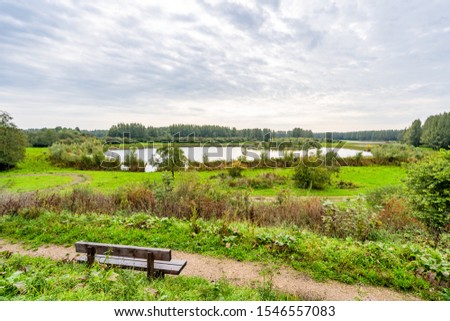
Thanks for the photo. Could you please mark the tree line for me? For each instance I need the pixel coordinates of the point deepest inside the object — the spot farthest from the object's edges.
(140, 132)
(434, 133)
(365, 135)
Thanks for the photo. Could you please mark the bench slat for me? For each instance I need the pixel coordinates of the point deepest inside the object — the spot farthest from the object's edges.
(124, 250)
(168, 267)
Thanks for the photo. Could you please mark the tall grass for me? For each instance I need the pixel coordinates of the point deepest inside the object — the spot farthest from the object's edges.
(193, 199)
(27, 278)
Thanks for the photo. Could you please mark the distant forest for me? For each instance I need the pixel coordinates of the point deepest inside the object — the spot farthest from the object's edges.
(367, 135)
(435, 133)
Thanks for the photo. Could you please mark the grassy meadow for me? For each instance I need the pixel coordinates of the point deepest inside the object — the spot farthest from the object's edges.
(375, 242)
(36, 173)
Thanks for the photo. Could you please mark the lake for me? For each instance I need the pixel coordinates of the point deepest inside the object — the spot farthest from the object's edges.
(228, 153)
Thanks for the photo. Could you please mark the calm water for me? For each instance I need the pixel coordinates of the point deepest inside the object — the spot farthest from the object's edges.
(224, 153)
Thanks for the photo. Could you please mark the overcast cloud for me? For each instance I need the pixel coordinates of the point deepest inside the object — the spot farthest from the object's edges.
(320, 65)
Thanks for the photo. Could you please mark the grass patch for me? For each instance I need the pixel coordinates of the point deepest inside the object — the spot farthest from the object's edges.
(345, 260)
(32, 182)
(27, 278)
(363, 178)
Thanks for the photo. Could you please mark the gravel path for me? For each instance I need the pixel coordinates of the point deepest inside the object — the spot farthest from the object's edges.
(284, 279)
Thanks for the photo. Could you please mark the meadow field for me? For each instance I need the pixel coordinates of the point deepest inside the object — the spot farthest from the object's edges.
(35, 173)
(358, 230)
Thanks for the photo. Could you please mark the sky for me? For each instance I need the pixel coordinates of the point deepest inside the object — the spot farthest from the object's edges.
(319, 65)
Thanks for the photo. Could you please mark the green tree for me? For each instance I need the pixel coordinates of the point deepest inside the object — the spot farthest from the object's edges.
(436, 131)
(310, 173)
(412, 134)
(12, 142)
(172, 158)
(428, 184)
(133, 161)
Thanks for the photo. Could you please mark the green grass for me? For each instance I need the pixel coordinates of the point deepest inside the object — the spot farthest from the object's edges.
(388, 263)
(17, 184)
(365, 178)
(27, 278)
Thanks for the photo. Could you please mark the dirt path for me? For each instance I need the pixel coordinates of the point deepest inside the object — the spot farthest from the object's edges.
(243, 273)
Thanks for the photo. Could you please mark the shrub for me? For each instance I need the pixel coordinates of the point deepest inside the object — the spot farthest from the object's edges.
(86, 155)
(395, 154)
(353, 220)
(312, 177)
(346, 185)
(428, 183)
(306, 212)
(396, 214)
(379, 196)
(12, 143)
(133, 162)
(266, 180)
(235, 171)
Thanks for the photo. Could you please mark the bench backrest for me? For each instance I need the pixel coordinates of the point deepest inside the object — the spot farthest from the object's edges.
(124, 250)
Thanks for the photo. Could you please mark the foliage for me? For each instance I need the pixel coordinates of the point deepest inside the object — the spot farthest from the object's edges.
(133, 162)
(436, 131)
(86, 155)
(390, 264)
(365, 135)
(378, 197)
(412, 134)
(396, 215)
(308, 175)
(12, 142)
(428, 183)
(28, 278)
(353, 220)
(395, 154)
(178, 132)
(235, 171)
(172, 158)
(46, 137)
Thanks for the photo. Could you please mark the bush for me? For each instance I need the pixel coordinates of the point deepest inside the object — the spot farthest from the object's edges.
(263, 181)
(306, 212)
(12, 143)
(428, 184)
(379, 196)
(353, 220)
(395, 154)
(312, 177)
(133, 162)
(396, 214)
(86, 155)
(235, 171)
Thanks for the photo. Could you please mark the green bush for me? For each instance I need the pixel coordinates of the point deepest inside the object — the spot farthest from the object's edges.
(235, 171)
(307, 176)
(133, 162)
(353, 220)
(428, 184)
(12, 143)
(379, 196)
(86, 155)
(395, 154)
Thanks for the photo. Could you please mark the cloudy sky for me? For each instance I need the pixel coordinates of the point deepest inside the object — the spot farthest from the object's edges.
(321, 65)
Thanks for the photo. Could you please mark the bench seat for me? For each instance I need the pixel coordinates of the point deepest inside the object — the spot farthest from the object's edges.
(157, 262)
(173, 267)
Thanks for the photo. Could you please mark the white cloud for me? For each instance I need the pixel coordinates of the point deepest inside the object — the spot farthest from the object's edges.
(316, 64)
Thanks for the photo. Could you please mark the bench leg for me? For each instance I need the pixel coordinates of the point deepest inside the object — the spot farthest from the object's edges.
(159, 274)
(90, 255)
(150, 265)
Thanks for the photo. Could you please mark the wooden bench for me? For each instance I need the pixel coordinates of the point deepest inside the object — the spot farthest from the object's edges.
(157, 262)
